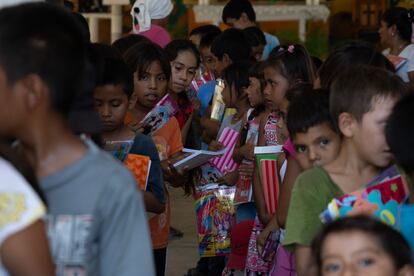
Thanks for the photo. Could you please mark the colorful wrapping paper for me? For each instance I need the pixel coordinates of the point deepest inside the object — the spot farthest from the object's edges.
(382, 201)
(215, 217)
(226, 163)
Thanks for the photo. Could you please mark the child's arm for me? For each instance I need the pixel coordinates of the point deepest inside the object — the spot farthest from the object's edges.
(292, 171)
(211, 127)
(152, 204)
(264, 216)
(261, 238)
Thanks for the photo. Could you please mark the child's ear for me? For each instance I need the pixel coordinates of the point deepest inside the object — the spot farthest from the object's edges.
(346, 124)
(132, 101)
(35, 91)
(226, 60)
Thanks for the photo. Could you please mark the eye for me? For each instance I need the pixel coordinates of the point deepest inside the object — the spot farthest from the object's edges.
(366, 262)
(144, 77)
(300, 149)
(331, 268)
(98, 103)
(191, 72)
(161, 78)
(178, 67)
(323, 142)
(115, 103)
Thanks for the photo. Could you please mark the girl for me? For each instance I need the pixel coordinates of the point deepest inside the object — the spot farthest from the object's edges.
(286, 66)
(396, 36)
(361, 246)
(184, 59)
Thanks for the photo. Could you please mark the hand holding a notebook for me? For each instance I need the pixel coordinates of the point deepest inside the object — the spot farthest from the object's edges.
(215, 146)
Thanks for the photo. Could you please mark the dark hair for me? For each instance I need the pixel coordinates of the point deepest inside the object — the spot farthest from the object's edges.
(237, 75)
(85, 27)
(256, 71)
(52, 47)
(140, 57)
(354, 91)
(317, 62)
(307, 110)
(400, 133)
(116, 72)
(235, 8)
(402, 19)
(232, 42)
(126, 42)
(390, 240)
(22, 165)
(205, 29)
(348, 55)
(293, 62)
(181, 45)
(207, 39)
(255, 36)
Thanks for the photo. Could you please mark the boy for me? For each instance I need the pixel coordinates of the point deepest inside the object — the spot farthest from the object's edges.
(360, 102)
(400, 137)
(96, 217)
(207, 57)
(113, 96)
(240, 14)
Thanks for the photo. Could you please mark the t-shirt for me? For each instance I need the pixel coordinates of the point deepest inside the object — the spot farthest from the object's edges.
(407, 53)
(312, 192)
(168, 142)
(20, 205)
(271, 42)
(143, 145)
(96, 220)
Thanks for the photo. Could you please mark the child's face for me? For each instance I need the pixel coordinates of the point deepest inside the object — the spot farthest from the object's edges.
(276, 87)
(228, 95)
(282, 131)
(112, 103)
(183, 70)
(355, 253)
(254, 93)
(368, 135)
(150, 87)
(209, 60)
(318, 146)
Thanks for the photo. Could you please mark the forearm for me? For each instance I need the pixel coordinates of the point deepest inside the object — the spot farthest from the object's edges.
(152, 204)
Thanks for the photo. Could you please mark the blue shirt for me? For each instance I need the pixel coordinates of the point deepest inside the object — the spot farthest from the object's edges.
(407, 224)
(271, 43)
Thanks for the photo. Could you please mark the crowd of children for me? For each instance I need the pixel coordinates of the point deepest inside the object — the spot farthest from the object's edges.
(309, 167)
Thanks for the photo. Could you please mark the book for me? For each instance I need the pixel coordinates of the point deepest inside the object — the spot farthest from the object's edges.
(266, 158)
(244, 191)
(159, 115)
(118, 149)
(140, 166)
(194, 158)
(270, 246)
(218, 107)
(226, 163)
(381, 200)
(201, 77)
(397, 61)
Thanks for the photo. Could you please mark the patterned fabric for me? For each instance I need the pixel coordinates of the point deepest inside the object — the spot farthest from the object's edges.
(186, 110)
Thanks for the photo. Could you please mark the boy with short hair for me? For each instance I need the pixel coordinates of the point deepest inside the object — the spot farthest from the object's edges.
(360, 102)
(240, 14)
(96, 217)
(400, 137)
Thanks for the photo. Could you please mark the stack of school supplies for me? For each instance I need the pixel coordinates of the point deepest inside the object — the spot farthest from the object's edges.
(266, 158)
(380, 200)
(118, 149)
(194, 158)
(159, 115)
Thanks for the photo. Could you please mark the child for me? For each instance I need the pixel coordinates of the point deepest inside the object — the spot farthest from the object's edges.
(113, 97)
(96, 218)
(361, 246)
(400, 137)
(240, 14)
(287, 66)
(360, 102)
(184, 59)
(207, 57)
(151, 67)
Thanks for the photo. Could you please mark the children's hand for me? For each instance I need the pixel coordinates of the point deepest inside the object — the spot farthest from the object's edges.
(138, 126)
(246, 170)
(215, 146)
(261, 240)
(171, 174)
(247, 151)
(229, 179)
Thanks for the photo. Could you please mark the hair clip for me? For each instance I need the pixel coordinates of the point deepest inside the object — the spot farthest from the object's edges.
(291, 48)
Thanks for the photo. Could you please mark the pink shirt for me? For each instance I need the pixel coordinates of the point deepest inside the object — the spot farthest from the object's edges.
(158, 35)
